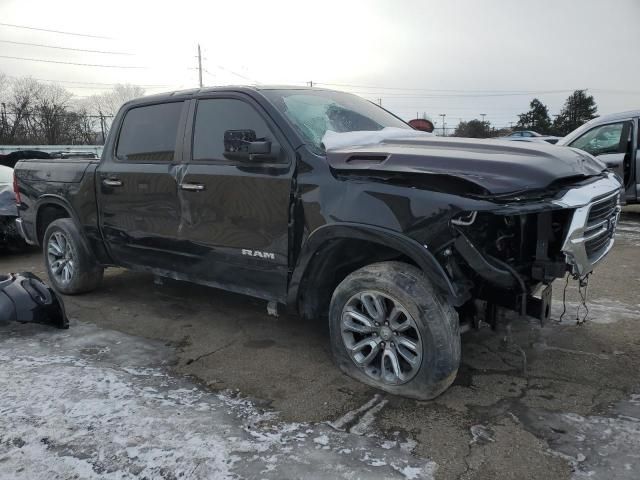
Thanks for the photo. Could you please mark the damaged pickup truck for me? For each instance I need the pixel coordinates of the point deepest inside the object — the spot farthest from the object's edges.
(399, 242)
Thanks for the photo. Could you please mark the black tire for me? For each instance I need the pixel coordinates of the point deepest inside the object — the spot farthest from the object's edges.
(87, 273)
(437, 325)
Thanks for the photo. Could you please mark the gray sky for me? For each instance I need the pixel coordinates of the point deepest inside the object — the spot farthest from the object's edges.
(458, 57)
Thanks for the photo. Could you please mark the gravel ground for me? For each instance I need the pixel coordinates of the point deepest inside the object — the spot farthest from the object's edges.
(174, 380)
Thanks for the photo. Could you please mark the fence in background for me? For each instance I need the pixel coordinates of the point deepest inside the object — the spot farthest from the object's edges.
(97, 149)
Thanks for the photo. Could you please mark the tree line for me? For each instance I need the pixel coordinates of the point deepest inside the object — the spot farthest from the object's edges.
(579, 108)
(39, 113)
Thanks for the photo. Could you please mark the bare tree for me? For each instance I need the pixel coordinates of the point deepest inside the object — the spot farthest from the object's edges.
(22, 96)
(4, 121)
(107, 104)
(52, 115)
(33, 113)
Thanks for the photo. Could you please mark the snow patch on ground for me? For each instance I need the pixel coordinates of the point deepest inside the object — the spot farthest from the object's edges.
(598, 446)
(602, 311)
(91, 403)
(629, 232)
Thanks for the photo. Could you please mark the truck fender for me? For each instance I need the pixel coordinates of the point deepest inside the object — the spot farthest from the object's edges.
(422, 257)
(47, 200)
(50, 199)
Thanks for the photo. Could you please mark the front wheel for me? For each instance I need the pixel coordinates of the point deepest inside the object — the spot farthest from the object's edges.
(71, 265)
(391, 330)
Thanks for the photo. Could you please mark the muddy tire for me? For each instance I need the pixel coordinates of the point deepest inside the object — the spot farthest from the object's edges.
(71, 265)
(391, 330)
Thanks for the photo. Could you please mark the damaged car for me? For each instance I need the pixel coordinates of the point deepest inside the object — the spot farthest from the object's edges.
(327, 204)
(10, 239)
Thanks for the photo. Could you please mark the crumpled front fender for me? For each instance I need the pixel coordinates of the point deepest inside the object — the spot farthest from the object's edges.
(25, 298)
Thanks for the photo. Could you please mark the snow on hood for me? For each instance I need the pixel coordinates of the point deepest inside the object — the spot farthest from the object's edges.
(334, 140)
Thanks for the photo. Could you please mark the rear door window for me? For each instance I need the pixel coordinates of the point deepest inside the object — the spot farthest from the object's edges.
(148, 133)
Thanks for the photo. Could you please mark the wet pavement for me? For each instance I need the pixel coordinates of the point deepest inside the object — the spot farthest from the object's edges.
(174, 380)
(94, 403)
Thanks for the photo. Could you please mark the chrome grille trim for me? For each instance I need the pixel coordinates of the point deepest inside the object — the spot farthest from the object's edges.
(592, 229)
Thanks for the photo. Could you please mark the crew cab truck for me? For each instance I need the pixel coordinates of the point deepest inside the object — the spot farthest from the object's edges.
(399, 242)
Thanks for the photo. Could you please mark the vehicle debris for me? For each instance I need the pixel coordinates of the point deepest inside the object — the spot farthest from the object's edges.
(24, 298)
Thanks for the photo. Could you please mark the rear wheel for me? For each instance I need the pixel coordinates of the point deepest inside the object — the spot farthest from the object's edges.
(391, 330)
(71, 266)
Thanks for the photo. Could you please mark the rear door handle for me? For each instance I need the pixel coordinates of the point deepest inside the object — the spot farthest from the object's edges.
(112, 182)
(192, 187)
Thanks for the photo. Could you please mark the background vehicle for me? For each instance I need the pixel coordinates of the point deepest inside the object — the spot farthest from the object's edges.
(72, 154)
(530, 135)
(613, 139)
(9, 236)
(396, 241)
(10, 159)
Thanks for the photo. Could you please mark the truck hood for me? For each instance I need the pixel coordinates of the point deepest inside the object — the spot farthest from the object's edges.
(499, 167)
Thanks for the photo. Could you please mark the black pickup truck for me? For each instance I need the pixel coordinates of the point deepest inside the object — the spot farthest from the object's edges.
(329, 204)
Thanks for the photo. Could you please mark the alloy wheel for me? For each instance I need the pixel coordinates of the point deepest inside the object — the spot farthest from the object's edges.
(381, 337)
(61, 258)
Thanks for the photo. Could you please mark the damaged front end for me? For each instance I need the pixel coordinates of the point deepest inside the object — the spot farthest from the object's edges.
(509, 256)
(24, 298)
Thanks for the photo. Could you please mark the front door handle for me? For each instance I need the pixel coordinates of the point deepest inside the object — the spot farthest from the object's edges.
(112, 182)
(192, 187)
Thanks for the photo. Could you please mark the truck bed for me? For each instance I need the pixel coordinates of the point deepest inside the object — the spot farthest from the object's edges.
(68, 183)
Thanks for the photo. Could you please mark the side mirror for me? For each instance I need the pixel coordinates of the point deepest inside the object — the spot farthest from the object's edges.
(259, 147)
(242, 145)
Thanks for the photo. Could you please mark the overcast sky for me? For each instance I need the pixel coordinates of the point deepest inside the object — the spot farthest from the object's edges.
(461, 58)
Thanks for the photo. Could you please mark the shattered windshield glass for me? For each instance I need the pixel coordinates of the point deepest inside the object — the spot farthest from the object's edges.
(314, 112)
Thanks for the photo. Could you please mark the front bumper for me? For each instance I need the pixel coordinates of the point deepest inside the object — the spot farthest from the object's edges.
(592, 229)
(25, 298)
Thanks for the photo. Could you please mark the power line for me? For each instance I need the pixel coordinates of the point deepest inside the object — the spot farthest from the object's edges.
(378, 87)
(54, 31)
(236, 74)
(65, 48)
(459, 95)
(91, 83)
(69, 63)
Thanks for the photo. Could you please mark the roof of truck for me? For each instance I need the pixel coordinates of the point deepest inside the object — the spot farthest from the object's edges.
(617, 116)
(194, 92)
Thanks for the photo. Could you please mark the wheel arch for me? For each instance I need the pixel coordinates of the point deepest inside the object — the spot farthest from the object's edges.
(323, 264)
(48, 209)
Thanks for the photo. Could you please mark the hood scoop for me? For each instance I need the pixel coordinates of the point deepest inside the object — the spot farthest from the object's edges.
(373, 158)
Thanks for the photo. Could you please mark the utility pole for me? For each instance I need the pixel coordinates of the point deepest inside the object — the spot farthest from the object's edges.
(3, 123)
(102, 126)
(310, 83)
(199, 66)
(380, 101)
(444, 133)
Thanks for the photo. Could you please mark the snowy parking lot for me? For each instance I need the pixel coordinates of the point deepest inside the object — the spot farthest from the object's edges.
(178, 381)
(96, 403)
